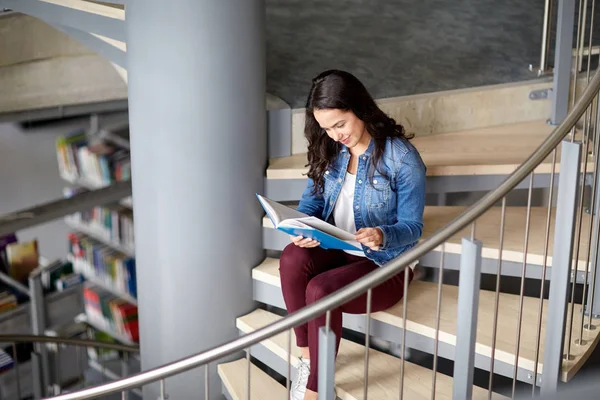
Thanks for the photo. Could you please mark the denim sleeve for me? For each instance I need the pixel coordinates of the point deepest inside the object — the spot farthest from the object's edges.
(410, 190)
(311, 204)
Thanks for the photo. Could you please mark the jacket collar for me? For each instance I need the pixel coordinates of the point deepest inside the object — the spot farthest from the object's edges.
(367, 152)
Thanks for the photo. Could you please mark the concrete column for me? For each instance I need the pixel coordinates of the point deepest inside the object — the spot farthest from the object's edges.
(198, 138)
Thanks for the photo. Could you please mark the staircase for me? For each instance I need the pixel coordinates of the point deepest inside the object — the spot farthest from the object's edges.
(469, 145)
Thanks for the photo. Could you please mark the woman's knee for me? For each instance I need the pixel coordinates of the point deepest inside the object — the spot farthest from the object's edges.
(293, 259)
(316, 290)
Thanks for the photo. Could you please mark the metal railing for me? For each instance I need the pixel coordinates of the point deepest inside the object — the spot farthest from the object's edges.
(59, 343)
(470, 267)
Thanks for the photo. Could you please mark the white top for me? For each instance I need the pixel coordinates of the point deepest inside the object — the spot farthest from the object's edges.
(343, 212)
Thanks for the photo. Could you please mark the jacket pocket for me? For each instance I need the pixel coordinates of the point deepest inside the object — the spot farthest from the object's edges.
(378, 192)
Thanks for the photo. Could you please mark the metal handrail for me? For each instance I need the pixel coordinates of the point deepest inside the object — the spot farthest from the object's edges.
(360, 286)
(67, 341)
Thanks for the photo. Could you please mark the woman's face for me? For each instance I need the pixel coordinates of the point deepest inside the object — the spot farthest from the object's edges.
(344, 127)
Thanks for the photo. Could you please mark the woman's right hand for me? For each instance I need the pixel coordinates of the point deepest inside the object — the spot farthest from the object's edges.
(301, 241)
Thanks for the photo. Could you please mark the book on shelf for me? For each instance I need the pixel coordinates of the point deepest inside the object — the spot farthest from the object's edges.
(5, 241)
(21, 259)
(113, 223)
(90, 257)
(6, 361)
(99, 164)
(295, 223)
(111, 313)
(8, 301)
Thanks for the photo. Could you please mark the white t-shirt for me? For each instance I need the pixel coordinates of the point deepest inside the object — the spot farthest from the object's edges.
(343, 212)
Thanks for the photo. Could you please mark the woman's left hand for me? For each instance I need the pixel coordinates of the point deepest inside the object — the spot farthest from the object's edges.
(370, 237)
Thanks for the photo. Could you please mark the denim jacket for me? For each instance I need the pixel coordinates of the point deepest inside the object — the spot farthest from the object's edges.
(395, 205)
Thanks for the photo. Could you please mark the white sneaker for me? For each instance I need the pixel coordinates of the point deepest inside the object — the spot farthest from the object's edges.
(299, 385)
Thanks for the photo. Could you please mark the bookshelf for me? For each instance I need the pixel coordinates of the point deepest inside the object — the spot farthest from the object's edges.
(102, 326)
(101, 242)
(97, 234)
(104, 282)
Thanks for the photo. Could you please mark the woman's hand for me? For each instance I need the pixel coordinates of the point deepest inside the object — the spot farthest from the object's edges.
(370, 237)
(301, 241)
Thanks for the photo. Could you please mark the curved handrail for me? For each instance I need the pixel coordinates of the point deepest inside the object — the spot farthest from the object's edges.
(360, 286)
(67, 341)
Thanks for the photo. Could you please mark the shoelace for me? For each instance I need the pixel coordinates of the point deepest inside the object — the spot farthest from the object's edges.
(303, 372)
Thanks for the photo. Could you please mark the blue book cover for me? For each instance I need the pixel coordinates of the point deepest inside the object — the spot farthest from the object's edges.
(295, 223)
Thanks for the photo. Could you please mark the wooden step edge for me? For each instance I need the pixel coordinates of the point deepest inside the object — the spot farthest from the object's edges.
(116, 11)
(350, 366)
(262, 387)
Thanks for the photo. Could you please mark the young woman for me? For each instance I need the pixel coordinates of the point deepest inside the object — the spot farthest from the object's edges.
(366, 178)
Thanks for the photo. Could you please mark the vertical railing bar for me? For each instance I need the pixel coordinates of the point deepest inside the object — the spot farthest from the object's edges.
(288, 382)
(579, 223)
(597, 242)
(582, 38)
(576, 67)
(466, 321)
(593, 211)
(367, 344)
(497, 296)
(163, 390)
(473, 231)
(522, 289)
(403, 349)
(545, 37)
(57, 362)
(327, 320)
(206, 388)
(125, 371)
(436, 341)
(249, 375)
(591, 35)
(102, 366)
(18, 378)
(544, 270)
(570, 163)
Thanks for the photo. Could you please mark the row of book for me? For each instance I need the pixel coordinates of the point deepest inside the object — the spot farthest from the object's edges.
(111, 313)
(113, 224)
(99, 164)
(93, 258)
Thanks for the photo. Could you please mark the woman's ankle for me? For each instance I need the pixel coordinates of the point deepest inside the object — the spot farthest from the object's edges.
(310, 395)
(305, 353)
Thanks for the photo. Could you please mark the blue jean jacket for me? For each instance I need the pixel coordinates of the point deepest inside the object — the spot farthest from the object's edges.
(394, 204)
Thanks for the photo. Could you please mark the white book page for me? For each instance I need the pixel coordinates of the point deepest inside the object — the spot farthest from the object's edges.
(327, 228)
(278, 212)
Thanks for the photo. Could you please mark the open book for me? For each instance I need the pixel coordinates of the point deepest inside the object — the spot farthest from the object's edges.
(296, 223)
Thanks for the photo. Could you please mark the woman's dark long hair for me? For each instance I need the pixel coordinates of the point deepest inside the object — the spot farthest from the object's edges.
(334, 89)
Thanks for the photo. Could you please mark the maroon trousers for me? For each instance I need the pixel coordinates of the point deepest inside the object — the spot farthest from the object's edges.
(308, 275)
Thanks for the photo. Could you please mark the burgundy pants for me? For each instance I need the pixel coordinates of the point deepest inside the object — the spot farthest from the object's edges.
(308, 275)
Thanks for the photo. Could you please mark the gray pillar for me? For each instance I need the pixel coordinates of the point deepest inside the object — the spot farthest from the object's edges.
(198, 138)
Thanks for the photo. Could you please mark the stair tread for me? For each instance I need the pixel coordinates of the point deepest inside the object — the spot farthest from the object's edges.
(262, 387)
(384, 370)
(421, 308)
(487, 151)
(115, 11)
(488, 232)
